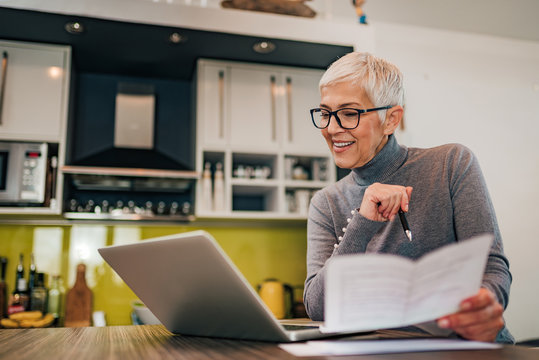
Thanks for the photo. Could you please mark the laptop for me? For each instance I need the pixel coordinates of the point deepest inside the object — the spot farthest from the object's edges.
(193, 288)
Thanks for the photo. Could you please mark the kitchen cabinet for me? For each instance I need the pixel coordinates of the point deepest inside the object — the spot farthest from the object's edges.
(301, 94)
(34, 92)
(34, 85)
(211, 104)
(262, 106)
(254, 107)
(237, 106)
(254, 121)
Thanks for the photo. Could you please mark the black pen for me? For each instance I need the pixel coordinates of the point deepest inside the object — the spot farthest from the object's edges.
(405, 225)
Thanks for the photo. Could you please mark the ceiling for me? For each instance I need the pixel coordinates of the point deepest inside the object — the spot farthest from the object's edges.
(134, 49)
(506, 18)
(107, 44)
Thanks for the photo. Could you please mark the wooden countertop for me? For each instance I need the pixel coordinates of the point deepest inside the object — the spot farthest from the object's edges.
(155, 342)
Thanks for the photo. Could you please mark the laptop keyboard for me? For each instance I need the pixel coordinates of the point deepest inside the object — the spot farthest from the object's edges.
(298, 327)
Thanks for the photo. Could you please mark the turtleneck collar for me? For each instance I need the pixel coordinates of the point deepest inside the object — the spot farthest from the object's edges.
(385, 163)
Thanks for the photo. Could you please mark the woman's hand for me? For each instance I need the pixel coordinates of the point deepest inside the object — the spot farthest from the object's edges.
(382, 202)
(479, 318)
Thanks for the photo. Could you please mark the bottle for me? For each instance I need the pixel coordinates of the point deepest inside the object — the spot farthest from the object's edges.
(207, 191)
(3, 288)
(219, 189)
(20, 271)
(31, 280)
(19, 298)
(38, 295)
(55, 299)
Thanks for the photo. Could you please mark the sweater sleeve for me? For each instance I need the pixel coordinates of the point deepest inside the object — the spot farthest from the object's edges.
(474, 214)
(321, 238)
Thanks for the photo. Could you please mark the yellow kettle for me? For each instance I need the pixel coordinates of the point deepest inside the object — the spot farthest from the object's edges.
(277, 296)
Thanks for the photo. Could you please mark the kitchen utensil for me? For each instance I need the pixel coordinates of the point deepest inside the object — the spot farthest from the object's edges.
(79, 301)
(279, 297)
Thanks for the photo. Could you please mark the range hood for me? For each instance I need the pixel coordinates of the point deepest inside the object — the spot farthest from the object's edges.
(132, 122)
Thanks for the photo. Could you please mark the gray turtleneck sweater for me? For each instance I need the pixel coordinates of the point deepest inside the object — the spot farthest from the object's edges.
(449, 203)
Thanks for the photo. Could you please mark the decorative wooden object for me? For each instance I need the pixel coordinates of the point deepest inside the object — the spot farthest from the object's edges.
(79, 301)
(284, 7)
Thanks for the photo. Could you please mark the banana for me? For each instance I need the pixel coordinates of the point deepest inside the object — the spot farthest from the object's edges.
(26, 315)
(27, 319)
(43, 322)
(9, 324)
(26, 323)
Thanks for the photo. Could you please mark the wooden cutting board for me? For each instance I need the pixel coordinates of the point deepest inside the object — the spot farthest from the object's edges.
(79, 301)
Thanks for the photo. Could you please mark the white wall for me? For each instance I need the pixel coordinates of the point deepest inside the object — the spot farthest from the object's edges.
(482, 92)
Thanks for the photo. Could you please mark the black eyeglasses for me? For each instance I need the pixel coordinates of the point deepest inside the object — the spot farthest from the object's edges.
(347, 118)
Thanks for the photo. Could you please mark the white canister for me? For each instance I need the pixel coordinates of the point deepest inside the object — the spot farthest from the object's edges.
(303, 199)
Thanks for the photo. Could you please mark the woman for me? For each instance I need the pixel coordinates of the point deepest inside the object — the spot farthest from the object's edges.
(441, 189)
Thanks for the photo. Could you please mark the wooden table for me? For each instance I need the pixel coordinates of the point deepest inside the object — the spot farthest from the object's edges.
(155, 342)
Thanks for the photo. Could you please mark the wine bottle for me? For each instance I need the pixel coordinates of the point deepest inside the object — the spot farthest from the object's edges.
(31, 280)
(3, 288)
(19, 298)
(38, 295)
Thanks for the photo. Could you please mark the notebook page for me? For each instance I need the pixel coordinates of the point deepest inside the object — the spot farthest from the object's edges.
(366, 292)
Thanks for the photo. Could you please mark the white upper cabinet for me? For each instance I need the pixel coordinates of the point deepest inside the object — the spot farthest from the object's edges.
(33, 91)
(255, 108)
(301, 94)
(265, 107)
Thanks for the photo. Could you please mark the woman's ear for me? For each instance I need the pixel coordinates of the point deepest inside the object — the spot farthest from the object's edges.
(393, 119)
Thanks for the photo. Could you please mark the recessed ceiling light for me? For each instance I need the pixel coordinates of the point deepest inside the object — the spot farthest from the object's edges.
(264, 47)
(176, 38)
(74, 27)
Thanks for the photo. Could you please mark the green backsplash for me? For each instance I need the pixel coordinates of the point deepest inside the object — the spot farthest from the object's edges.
(259, 251)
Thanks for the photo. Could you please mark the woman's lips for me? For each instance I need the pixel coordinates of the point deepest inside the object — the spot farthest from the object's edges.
(340, 146)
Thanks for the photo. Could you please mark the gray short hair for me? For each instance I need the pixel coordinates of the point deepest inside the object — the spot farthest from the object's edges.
(381, 80)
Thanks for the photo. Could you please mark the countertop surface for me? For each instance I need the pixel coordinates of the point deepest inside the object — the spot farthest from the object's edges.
(155, 342)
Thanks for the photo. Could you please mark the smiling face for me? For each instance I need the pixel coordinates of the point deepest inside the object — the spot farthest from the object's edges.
(356, 147)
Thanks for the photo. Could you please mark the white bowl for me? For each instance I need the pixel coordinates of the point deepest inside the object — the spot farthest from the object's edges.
(144, 314)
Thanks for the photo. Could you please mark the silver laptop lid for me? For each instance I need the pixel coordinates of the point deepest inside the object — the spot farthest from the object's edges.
(193, 288)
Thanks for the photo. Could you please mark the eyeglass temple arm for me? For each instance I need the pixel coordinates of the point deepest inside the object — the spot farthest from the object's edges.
(382, 108)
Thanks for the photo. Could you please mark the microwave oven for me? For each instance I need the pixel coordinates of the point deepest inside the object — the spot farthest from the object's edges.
(25, 174)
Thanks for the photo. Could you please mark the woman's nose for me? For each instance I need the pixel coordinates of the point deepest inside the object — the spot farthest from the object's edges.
(334, 126)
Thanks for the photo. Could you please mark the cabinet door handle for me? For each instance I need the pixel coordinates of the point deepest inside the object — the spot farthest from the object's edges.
(221, 104)
(273, 109)
(289, 107)
(3, 83)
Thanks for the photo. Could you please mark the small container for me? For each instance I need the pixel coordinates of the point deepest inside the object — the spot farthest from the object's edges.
(207, 188)
(144, 315)
(219, 189)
